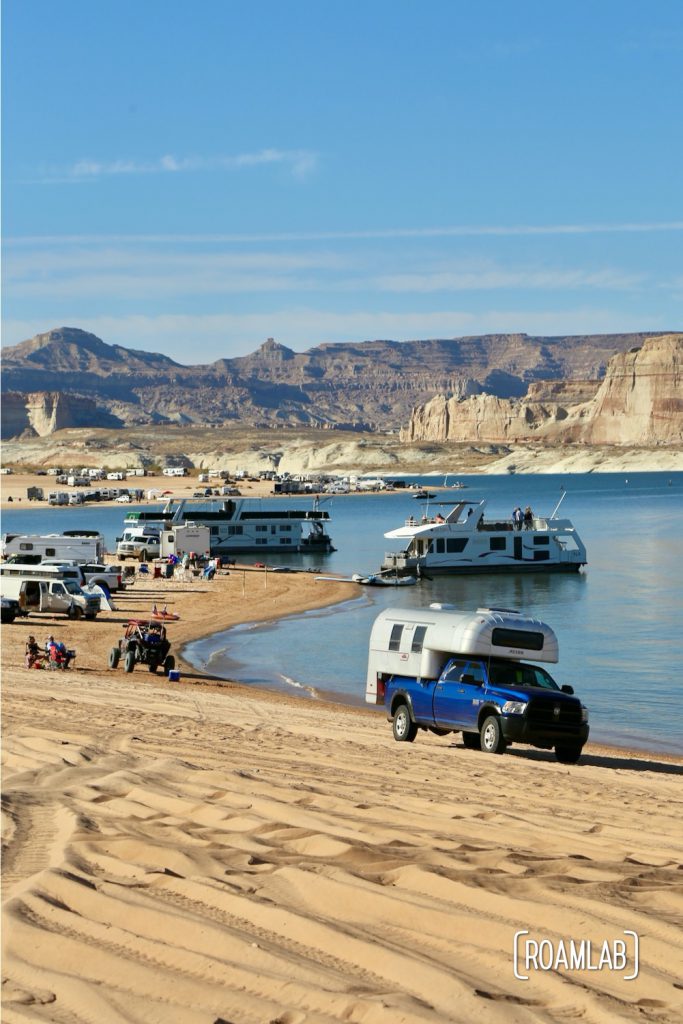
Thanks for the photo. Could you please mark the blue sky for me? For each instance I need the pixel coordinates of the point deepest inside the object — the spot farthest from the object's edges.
(192, 179)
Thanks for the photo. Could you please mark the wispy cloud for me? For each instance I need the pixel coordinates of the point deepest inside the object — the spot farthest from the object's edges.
(372, 234)
(299, 163)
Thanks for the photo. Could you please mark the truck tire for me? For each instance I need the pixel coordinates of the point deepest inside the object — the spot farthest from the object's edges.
(114, 656)
(143, 555)
(169, 664)
(74, 612)
(492, 740)
(129, 663)
(404, 728)
(568, 753)
(471, 740)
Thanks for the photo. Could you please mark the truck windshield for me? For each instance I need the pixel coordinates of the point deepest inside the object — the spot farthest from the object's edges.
(72, 586)
(518, 673)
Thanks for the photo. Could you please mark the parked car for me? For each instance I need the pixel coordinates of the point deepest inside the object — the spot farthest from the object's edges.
(146, 643)
(9, 610)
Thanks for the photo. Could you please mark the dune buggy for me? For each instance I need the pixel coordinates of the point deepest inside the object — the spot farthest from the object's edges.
(145, 642)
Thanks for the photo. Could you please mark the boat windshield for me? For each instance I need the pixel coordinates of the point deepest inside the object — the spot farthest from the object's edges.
(518, 673)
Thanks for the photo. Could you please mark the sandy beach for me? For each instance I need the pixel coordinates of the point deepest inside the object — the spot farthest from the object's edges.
(200, 852)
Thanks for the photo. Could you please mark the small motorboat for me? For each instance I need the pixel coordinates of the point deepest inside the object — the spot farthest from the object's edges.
(380, 579)
(424, 495)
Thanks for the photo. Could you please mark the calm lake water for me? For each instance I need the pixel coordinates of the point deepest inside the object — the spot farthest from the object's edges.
(619, 622)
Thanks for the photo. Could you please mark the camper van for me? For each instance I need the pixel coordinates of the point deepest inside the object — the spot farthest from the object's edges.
(476, 673)
(47, 589)
(81, 546)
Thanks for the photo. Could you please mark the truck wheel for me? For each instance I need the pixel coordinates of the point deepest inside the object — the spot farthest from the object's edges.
(114, 656)
(405, 730)
(568, 753)
(74, 612)
(129, 663)
(143, 555)
(169, 664)
(471, 740)
(491, 737)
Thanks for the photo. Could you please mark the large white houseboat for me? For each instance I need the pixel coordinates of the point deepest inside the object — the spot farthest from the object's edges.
(244, 525)
(460, 539)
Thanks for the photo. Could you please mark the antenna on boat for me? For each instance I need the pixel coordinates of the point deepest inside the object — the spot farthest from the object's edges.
(554, 511)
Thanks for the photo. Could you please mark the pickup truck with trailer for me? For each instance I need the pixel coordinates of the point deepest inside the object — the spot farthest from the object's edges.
(473, 672)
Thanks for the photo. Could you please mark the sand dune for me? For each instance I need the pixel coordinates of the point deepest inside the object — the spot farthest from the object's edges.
(187, 853)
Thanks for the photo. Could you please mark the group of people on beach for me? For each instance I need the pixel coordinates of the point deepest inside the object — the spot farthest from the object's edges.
(54, 655)
(522, 520)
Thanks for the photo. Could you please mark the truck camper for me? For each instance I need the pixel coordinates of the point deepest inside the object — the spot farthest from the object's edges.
(475, 673)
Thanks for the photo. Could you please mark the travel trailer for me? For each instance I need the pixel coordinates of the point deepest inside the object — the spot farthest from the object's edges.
(81, 546)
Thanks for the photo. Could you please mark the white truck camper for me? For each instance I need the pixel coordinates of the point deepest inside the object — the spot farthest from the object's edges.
(418, 642)
(185, 539)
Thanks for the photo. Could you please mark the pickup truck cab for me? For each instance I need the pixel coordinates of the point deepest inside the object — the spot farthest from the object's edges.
(473, 673)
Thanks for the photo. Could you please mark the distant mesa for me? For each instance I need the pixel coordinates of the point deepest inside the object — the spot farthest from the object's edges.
(479, 387)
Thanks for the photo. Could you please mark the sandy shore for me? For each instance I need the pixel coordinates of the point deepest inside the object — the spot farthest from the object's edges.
(188, 852)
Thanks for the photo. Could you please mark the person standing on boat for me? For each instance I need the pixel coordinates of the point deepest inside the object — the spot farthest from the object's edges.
(517, 518)
(528, 518)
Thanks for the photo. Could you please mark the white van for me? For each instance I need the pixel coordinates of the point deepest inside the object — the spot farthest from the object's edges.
(45, 589)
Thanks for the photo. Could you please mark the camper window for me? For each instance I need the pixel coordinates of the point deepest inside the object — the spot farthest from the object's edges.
(526, 639)
(395, 639)
(418, 639)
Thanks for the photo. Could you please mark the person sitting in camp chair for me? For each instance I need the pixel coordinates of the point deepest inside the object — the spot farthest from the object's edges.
(34, 657)
(58, 656)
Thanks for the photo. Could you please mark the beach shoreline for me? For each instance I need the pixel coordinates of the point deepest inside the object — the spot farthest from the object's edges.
(199, 850)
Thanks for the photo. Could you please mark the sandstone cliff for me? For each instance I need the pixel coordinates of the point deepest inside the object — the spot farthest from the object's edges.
(370, 385)
(640, 402)
(41, 413)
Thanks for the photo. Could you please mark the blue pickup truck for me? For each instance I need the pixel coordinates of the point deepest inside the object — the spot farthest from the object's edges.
(474, 673)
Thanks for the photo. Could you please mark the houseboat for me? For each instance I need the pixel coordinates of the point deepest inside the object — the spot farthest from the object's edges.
(460, 539)
(244, 525)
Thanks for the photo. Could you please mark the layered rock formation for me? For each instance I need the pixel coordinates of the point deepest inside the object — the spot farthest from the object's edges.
(41, 413)
(640, 402)
(370, 385)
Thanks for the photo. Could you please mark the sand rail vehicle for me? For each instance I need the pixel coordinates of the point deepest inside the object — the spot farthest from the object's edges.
(447, 671)
(144, 642)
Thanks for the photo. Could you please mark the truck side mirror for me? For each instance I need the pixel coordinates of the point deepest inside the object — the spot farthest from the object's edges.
(567, 689)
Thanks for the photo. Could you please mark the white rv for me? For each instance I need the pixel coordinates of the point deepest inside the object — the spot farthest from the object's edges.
(175, 471)
(85, 546)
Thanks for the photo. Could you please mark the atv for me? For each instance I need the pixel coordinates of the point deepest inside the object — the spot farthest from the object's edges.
(144, 641)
